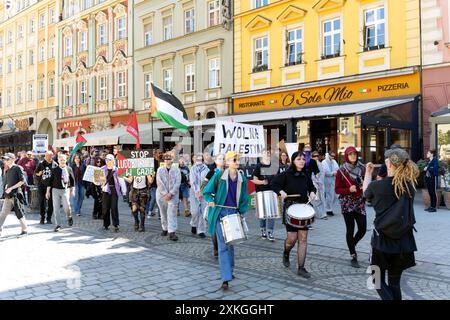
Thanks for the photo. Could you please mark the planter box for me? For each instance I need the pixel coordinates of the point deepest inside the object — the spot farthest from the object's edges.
(446, 195)
(427, 201)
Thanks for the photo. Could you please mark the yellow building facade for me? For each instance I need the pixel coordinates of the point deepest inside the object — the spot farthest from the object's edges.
(317, 53)
(27, 79)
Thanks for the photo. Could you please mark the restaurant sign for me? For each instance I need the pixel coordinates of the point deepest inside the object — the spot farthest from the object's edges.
(339, 93)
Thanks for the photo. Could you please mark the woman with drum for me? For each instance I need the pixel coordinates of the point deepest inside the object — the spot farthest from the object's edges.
(263, 175)
(349, 182)
(227, 195)
(293, 186)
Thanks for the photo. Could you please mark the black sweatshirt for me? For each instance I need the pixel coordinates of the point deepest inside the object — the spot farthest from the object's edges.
(294, 182)
(55, 178)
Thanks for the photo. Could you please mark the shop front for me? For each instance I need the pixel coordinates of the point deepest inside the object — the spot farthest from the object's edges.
(370, 114)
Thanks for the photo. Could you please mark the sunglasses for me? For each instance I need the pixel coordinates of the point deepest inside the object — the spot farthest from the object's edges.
(235, 160)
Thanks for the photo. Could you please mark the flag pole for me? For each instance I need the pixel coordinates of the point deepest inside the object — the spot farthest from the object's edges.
(151, 121)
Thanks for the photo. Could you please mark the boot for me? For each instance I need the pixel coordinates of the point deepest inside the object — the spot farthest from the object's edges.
(286, 262)
(142, 225)
(216, 250)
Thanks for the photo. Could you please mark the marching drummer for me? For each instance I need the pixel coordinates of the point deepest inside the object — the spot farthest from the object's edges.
(226, 194)
(263, 175)
(295, 181)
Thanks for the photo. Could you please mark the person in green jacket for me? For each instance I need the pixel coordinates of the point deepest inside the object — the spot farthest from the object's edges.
(226, 188)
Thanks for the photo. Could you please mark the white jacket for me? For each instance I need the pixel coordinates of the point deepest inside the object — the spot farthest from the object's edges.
(168, 182)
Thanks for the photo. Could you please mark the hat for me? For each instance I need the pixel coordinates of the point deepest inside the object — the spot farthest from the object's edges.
(109, 157)
(8, 156)
(396, 156)
(230, 155)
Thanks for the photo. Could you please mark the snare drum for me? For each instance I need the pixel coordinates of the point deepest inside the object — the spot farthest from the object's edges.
(300, 215)
(267, 205)
(233, 228)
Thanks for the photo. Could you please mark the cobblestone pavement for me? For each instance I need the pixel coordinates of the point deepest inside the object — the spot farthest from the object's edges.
(85, 262)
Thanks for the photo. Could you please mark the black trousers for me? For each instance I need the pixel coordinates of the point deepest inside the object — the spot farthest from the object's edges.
(97, 194)
(352, 238)
(431, 186)
(393, 264)
(110, 209)
(42, 190)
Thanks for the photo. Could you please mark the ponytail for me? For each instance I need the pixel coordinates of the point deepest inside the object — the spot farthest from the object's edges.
(405, 174)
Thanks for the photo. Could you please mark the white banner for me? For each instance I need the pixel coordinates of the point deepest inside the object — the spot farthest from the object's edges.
(89, 173)
(291, 148)
(247, 140)
(40, 143)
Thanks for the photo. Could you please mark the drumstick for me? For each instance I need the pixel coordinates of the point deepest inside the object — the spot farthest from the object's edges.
(293, 195)
(217, 205)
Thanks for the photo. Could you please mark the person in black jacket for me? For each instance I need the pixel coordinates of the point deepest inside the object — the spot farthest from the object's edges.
(96, 192)
(42, 173)
(78, 169)
(61, 188)
(295, 181)
(388, 254)
(431, 175)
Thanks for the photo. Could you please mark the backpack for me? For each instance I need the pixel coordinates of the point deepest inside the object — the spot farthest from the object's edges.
(399, 219)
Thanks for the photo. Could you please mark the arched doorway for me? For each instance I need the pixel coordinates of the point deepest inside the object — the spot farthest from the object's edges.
(45, 127)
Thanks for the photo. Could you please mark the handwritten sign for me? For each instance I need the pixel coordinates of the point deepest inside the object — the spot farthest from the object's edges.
(136, 163)
(247, 140)
(89, 173)
(99, 177)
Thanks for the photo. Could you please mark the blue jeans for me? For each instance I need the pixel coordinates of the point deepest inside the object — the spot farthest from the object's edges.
(267, 224)
(152, 200)
(184, 191)
(77, 201)
(226, 252)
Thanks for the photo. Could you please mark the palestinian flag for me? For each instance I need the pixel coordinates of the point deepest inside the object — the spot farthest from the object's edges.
(80, 144)
(168, 108)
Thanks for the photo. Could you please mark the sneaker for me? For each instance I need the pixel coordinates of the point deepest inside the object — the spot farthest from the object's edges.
(78, 214)
(187, 214)
(324, 218)
(286, 262)
(202, 235)
(270, 236)
(49, 221)
(57, 228)
(164, 233)
(354, 262)
(330, 213)
(224, 285)
(105, 228)
(116, 229)
(141, 229)
(148, 216)
(194, 230)
(136, 227)
(70, 222)
(303, 273)
(23, 233)
(42, 221)
(173, 236)
(432, 210)
(152, 214)
(263, 234)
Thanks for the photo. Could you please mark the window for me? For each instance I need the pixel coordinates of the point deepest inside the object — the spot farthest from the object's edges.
(10, 36)
(213, 13)
(167, 79)
(42, 20)
(20, 31)
(83, 92)
(30, 92)
(1, 41)
(374, 28)
(31, 57)
(51, 49)
(19, 62)
(51, 87)
(67, 95)
(148, 34)
(9, 65)
(147, 85)
(102, 88)
(87, 4)
(67, 46)
(8, 98)
(19, 95)
(189, 76)
(121, 83)
(167, 28)
(261, 54)
(102, 34)
(261, 3)
(52, 15)
(121, 28)
(189, 21)
(32, 29)
(83, 41)
(41, 90)
(42, 53)
(294, 46)
(331, 38)
(214, 72)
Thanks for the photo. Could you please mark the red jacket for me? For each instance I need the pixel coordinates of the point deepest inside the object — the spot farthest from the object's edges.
(28, 165)
(342, 185)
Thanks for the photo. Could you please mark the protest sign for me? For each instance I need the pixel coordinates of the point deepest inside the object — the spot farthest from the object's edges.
(99, 177)
(89, 173)
(247, 140)
(40, 143)
(135, 163)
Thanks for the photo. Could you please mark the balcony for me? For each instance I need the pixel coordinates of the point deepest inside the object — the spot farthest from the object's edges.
(260, 68)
